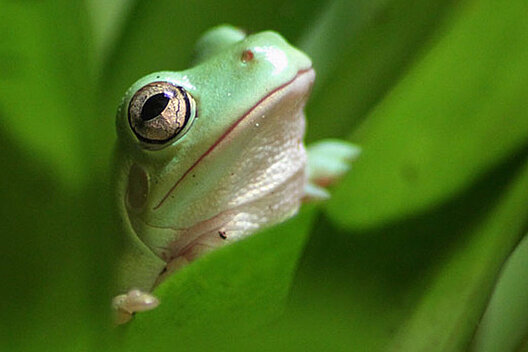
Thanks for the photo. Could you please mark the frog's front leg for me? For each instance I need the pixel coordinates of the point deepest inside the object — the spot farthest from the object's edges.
(126, 305)
(328, 160)
(137, 270)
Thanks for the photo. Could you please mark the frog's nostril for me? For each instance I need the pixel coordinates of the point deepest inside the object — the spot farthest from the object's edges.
(247, 55)
(137, 189)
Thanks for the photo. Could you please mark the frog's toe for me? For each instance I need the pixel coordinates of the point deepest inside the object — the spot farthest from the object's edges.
(126, 305)
(328, 160)
(313, 192)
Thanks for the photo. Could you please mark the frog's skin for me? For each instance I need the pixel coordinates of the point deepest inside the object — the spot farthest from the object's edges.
(237, 166)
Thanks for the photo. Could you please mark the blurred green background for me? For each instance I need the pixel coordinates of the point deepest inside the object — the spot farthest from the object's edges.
(419, 249)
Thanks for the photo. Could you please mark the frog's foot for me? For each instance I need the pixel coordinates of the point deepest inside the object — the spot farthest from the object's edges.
(328, 160)
(126, 305)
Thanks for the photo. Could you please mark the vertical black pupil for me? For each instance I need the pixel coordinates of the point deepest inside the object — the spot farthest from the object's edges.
(154, 106)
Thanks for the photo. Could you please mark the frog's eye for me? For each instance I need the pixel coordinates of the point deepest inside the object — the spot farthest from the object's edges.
(160, 112)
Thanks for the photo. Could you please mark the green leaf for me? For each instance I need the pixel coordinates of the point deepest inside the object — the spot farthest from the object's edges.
(454, 116)
(56, 267)
(107, 22)
(446, 315)
(504, 326)
(233, 290)
(362, 55)
(55, 208)
(46, 85)
(420, 284)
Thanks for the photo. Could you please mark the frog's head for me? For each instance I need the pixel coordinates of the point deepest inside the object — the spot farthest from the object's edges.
(197, 143)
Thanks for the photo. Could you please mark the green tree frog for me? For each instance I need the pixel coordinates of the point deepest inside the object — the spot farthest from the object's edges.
(212, 154)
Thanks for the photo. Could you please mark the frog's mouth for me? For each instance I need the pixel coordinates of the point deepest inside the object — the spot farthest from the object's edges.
(303, 80)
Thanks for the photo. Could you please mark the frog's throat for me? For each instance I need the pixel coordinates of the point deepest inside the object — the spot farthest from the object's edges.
(231, 128)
